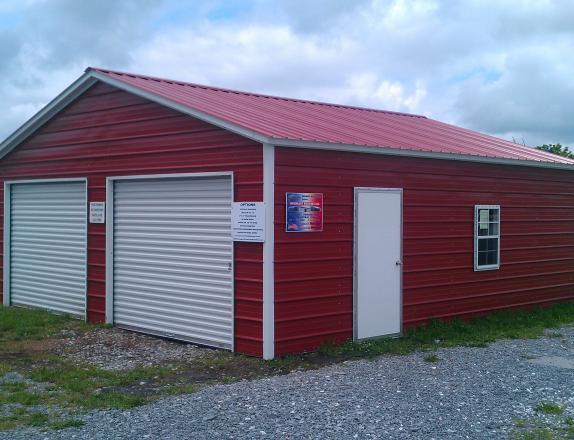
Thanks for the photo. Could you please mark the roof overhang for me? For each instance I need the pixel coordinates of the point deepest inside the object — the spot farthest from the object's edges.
(419, 153)
(75, 89)
(90, 77)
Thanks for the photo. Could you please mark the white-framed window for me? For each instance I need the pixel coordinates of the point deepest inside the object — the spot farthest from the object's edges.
(486, 237)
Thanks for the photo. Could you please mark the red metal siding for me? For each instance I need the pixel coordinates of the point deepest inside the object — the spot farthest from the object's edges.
(108, 132)
(314, 271)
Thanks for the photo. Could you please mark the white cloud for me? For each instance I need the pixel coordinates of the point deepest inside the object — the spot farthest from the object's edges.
(45, 45)
(499, 67)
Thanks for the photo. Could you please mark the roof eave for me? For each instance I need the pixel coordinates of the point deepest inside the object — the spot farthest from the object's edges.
(418, 153)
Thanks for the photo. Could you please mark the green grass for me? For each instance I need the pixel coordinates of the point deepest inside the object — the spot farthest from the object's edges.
(91, 387)
(176, 389)
(521, 423)
(431, 358)
(116, 400)
(76, 387)
(23, 418)
(475, 332)
(549, 408)
(79, 387)
(63, 424)
(535, 428)
(72, 386)
(4, 368)
(13, 387)
(22, 397)
(537, 434)
(17, 324)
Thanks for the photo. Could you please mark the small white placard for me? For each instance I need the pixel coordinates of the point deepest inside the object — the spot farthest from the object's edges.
(248, 221)
(97, 212)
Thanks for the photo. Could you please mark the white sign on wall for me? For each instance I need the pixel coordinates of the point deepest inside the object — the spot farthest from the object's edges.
(248, 221)
(97, 212)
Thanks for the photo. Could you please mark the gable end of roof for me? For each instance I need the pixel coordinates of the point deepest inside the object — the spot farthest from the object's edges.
(246, 114)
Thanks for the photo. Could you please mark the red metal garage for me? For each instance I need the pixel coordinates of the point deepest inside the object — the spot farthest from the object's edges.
(380, 220)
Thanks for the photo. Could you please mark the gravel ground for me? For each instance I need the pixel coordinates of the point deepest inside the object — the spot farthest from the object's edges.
(469, 393)
(117, 349)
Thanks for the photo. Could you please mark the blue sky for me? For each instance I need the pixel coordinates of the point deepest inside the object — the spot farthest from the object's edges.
(500, 67)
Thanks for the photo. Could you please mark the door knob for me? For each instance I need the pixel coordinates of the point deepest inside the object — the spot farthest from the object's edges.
(398, 263)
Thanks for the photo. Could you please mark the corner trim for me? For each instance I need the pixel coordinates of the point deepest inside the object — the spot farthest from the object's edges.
(269, 252)
(7, 235)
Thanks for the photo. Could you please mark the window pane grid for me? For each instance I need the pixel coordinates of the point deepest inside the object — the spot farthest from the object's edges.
(487, 237)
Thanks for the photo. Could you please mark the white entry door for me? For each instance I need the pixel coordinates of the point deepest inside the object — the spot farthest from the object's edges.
(378, 265)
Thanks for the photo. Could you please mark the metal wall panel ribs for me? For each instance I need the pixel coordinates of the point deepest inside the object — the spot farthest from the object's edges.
(108, 132)
(314, 272)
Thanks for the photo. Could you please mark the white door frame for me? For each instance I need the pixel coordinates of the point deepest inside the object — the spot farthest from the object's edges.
(110, 236)
(8, 233)
(358, 190)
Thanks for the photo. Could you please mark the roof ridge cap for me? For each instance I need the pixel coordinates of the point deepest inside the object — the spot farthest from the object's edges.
(261, 95)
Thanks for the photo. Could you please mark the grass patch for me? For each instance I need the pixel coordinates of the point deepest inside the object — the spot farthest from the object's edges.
(431, 358)
(63, 424)
(22, 397)
(12, 387)
(474, 332)
(91, 387)
(17, 324)
(72, 386)
(77, 387)
(25, 418)
(115, 399)
(549, 408)
(4, 368)
(177, 389)
(536, 428)
(536, 434)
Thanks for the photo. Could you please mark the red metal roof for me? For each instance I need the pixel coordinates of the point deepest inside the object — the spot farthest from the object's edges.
(298, 120)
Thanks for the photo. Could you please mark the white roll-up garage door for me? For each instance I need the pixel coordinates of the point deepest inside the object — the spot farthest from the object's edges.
(173, 257)
(47, 248)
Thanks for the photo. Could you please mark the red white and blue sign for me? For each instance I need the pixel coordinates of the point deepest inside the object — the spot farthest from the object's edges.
(304, 212)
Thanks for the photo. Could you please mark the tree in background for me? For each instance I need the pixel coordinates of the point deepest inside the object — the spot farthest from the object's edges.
(556, 149)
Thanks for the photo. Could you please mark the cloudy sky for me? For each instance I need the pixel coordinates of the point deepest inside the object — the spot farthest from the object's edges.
(504, 67)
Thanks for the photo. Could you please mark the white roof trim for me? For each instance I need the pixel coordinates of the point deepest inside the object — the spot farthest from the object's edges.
(91, 77)
(420, 153)
(75, 89)
(181, 108)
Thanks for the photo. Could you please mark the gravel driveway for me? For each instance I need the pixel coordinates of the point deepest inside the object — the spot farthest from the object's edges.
(468, 393)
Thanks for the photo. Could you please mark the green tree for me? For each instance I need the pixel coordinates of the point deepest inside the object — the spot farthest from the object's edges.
(556, 149)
